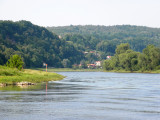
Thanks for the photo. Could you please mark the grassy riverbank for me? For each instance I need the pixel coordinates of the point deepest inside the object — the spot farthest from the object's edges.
(93, 70)
(11, 76)
(70, 70)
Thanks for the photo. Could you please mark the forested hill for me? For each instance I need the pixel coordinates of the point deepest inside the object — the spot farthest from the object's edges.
(68, 45)
(98, 29)
(102, 37)
(35, 44)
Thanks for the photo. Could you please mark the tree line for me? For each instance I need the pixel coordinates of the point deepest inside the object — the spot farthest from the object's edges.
(129, 60)
(36, 45)
(104, 39)
(75, 45)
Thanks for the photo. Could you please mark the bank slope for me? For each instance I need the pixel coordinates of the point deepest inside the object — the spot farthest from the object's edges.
(12, 76)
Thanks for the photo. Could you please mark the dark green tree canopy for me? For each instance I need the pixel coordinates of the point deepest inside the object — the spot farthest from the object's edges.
(35, 44)
(122, 48)
(129, 60)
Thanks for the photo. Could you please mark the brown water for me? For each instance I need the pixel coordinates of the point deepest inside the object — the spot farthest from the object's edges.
(85, 96)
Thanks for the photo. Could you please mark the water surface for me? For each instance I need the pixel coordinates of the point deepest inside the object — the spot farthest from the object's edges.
(85, 96)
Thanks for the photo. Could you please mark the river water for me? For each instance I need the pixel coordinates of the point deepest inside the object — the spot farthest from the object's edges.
(85, 96)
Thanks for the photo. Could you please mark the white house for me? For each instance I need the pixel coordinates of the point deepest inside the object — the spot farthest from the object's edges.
(98, 63)
(108, 57)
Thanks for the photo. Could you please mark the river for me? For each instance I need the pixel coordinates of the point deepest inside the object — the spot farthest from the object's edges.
(85, 96)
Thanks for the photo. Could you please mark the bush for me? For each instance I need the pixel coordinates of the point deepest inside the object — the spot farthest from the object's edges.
(15, 61)
(6, 71)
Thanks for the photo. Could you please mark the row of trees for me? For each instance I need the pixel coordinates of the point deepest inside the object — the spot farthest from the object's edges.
(93, 37)
(104, 39)
(129, 60)
(35, 45)
(79, 44)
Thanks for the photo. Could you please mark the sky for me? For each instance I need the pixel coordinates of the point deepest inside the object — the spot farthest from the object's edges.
(83, 12)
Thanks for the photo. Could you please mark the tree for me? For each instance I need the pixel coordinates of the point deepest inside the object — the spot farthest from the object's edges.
(15, 61)
(66, 63)
(129, 60)
(150, 58)
(122, 48)
(124, 58)
(83, 64)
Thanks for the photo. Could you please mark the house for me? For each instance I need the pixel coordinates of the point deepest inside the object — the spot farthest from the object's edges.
(108, 57)
(98, 63)
(92, 51)
(91, 65)
(85, 52)
(60, 37)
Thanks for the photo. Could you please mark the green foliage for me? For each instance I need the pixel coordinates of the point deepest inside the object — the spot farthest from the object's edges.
(150, 58)
(122, 48)
(129, 60)
(104, 39)
(83, 64)
(35, 44)
(97, 36)
(12, 76)
(66, 63)
(15, 61)
(7, 71)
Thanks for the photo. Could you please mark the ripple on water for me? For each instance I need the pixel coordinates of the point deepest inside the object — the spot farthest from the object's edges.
(86, 96)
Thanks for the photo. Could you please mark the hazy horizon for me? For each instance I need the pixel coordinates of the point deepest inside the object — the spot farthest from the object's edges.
(48, 13)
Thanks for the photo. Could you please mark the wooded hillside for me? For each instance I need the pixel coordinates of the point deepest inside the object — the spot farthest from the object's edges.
(35, 44)
(68, 45)
(106, 38)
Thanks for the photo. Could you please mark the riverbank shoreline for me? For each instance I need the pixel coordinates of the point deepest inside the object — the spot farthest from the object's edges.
(94, 70)
(69, 70)
(123, 71)
(12, 76)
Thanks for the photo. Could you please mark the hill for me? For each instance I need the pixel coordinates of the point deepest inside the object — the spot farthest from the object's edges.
(68, 45)
(35, 44)
(106, 38)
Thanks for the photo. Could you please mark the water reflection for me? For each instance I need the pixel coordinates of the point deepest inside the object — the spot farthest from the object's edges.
(85, 96)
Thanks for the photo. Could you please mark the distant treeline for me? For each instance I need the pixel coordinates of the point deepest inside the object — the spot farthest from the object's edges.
(129, 60)
(35, 44)
(69, 45)
(104, 39)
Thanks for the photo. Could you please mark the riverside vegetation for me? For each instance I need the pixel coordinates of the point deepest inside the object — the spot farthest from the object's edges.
(75, 45)
(126, 59)
(13, 74)
(57, 46)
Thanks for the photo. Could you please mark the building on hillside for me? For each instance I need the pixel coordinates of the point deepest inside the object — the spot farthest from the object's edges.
(85, 52)
(108, 57)
(91, 65)
(92, 52)
(98, 63)
(60, 37)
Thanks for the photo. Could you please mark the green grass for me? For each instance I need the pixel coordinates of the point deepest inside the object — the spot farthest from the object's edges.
(6, 71)
(12, 76)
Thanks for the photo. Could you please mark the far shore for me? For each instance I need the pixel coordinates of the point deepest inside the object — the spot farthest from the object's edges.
(93, 70)
(70, 70)
(123, 71)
